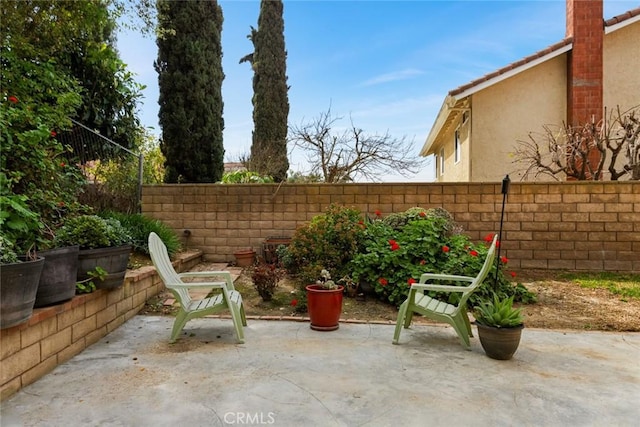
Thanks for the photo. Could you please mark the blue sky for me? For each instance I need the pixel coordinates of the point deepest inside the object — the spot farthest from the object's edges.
(386, 64)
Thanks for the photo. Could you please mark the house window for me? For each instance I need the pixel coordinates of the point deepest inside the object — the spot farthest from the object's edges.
(442, 161)
(456, 145)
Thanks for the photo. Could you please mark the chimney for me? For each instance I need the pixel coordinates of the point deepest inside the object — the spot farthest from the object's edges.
(585, 24)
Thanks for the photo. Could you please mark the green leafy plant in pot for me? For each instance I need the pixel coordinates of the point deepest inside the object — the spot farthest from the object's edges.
(103, 243)
(20, 270)
(499, 327)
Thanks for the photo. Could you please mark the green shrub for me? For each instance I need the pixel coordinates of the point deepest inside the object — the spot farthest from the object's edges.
(327, 242)
(91, 232)
(19, 225)
(139, 227)
(245, 177)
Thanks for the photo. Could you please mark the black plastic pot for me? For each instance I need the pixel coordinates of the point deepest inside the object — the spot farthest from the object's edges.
(18, 288)
(499, 343)
(114, 260)
(58, 278)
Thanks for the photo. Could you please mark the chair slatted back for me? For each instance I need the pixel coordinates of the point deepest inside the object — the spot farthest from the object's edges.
(162, 263)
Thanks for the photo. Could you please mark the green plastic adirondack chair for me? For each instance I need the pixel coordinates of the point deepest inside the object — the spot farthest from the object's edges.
(190, 308)
(455, 315)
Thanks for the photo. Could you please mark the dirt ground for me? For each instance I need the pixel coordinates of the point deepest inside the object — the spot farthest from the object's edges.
(562, 304)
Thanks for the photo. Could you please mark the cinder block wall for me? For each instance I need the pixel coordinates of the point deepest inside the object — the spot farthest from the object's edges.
(568, 225)
(55, 334)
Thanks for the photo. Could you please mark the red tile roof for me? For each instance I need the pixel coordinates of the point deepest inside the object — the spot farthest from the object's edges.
(567, 41)
(512, 66)
(623, 17)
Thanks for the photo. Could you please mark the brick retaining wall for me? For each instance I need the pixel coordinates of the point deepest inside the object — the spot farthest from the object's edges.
(55, 334)
(590, 226)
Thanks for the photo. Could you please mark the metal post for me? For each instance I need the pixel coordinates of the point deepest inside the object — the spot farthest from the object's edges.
(140, 171)
(505, 189)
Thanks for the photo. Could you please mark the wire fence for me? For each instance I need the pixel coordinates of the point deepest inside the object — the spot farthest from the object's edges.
(114, 173)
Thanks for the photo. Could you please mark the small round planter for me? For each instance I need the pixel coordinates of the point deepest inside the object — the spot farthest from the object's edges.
(245, 257)
(113, 260)
(499, 343)
(325, 307)
(58, 278)
(18, 288)
(270, 248)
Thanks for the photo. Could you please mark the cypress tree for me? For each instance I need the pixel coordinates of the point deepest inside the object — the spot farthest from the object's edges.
(270, 93)
(190, 78)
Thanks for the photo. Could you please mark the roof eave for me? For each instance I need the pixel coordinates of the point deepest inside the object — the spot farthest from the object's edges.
(512, 72)
(441, 118)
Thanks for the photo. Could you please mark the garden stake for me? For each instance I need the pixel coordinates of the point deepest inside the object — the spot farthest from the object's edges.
(505, 189)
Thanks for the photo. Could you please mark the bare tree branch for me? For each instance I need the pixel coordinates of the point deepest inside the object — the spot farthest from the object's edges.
(584, 152)
(352, 154)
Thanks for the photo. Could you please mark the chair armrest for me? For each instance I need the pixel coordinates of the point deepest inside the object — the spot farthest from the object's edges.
(452, 277)
(211, 285)
(440, 288)
(443, 288)
(224, 274)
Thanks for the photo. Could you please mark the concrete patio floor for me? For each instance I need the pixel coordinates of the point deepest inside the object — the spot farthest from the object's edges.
(288, 375)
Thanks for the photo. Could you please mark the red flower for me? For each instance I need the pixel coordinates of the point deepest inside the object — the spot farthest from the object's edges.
(497, 243)
(394, 245)
(489, 238)
(294, 302)
(513, 274)
(13, 99)
(504, 259)
(61, 204)
(383, 281)
(423, 262)
(422, 214)
(378, 213)
(473, 253)
(411, 281)
(62, 164)
(445, 248)
(53, 134)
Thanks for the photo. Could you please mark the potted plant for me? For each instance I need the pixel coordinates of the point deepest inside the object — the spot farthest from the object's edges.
(499, 327)
(324, 302)
(19, 274)
(265, 279)
(271, 248)
(103, 243)
(245, 257)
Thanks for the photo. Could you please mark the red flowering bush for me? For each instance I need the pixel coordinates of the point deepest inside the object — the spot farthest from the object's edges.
(396, 252)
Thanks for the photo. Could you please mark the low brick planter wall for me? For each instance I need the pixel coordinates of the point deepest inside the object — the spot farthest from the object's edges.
(55, 334)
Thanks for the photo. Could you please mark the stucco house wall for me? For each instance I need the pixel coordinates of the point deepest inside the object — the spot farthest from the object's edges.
(507, 111)
(506, 105)
(622, 68)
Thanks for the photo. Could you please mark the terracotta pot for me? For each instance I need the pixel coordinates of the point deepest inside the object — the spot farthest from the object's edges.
(58, 278)
(325, 307)
(18, 288)
(245, 257)
(499, 343)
